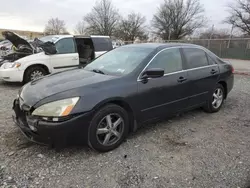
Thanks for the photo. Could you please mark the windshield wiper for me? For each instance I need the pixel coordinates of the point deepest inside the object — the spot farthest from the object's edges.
(98, 71)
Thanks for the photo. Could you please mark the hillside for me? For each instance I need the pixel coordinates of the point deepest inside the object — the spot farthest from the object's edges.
(28, 34)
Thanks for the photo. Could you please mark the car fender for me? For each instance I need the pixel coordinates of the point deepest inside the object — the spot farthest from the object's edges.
(32, 63)
(114, 100)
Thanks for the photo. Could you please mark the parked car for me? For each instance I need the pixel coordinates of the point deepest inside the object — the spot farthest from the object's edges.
(116, 93)
(17, 48)
(71, 51)
(116, 44)
(5, 47)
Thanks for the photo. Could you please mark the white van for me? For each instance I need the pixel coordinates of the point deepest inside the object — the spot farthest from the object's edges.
(70, 51)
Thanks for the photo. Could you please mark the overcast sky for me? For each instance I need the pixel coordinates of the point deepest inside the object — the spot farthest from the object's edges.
(34, 14)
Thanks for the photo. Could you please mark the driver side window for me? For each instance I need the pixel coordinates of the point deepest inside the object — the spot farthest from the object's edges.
(169, 60)
(65, 46)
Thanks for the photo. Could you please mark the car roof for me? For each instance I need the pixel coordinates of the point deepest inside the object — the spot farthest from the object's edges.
(78, 36)
(91, 36)
(56, 38)
(61, 36)
(160, 45)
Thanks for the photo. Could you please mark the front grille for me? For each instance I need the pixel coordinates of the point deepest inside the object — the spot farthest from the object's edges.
(51, 119)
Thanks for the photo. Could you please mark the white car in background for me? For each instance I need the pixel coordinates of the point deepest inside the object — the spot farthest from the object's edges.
(117, 43)
(5, 47)
(59, 53)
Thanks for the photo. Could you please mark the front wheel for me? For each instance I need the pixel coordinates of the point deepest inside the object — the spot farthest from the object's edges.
(108, 128)
(215, 99)
(34, 73)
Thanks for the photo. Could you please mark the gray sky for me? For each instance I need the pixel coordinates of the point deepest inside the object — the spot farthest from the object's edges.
(34, 14)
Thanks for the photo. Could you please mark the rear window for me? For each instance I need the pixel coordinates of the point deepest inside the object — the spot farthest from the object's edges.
(210, 60)
(102, 44)
(195, 58)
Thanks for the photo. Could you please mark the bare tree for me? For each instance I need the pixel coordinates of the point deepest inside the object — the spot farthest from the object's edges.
(80, 28)
(55, 27)
(102, 19)
(132, 27)
(240, 15)
(176, 19)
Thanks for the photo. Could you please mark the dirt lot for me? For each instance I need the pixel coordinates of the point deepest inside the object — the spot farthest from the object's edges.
(192, 150)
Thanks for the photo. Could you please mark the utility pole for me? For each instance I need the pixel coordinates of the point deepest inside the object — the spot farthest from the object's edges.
(211, 35)
(230, 38)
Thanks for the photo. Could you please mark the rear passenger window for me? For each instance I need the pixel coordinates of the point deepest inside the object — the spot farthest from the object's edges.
(102, 44)
(210, 60)
(169, 60)
(195, 58)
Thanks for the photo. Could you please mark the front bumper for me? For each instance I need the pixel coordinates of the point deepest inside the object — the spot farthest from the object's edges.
(11, 75)
(55, 134)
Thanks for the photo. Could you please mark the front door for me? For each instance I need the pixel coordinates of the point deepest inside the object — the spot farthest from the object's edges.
(203, 74)
(165, 95)
(66, 56)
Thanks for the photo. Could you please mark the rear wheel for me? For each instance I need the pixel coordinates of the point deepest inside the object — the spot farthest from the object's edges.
(108, 128)
(215, 100)
(34, 73)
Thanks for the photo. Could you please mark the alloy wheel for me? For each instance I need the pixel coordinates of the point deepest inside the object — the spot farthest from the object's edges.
(217, 98)
(110, 129)
(36, 74)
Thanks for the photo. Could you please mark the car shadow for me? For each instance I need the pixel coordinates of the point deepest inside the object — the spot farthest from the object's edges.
(160, 123)
(72, 150)
(11, 84)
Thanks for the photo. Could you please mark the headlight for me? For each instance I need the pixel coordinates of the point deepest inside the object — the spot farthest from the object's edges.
(57, 108)
(11, 65)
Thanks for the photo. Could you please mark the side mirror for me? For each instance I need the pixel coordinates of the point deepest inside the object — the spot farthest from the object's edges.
(152, 73)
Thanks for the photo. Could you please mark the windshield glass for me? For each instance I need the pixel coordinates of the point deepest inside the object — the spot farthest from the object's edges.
(50, 38)
(120, 61)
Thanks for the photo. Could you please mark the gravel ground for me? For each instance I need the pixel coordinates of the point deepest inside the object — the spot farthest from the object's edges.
(192, 150)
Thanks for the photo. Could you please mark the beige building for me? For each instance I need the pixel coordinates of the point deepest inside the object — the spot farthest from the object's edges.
(28, 34)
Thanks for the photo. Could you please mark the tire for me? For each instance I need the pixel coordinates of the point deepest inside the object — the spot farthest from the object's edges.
(99, 122)
(210, 107)
(35, 69)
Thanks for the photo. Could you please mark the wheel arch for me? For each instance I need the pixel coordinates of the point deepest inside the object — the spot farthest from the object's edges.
(34, 65)
(125, 105)
(224, 84)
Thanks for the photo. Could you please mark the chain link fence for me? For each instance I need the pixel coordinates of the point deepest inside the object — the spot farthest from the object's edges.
(225, 48)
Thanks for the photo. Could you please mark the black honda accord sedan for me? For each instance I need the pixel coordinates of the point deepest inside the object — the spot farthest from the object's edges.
(113, 95)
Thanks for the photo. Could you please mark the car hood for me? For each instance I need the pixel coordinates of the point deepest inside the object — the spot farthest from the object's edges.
(15, 39)
(57, 83)
(34, 57)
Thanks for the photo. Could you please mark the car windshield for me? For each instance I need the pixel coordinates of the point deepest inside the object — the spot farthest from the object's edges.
(50, 38)
(120, 61)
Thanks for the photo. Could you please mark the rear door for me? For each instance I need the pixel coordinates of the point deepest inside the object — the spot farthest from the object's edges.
(203, 74)
(101, 44)
(167, 94)
(66, 56)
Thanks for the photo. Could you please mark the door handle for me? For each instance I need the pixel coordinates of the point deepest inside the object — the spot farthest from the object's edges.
(75, 58)
(181, 79)
(213, 71)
